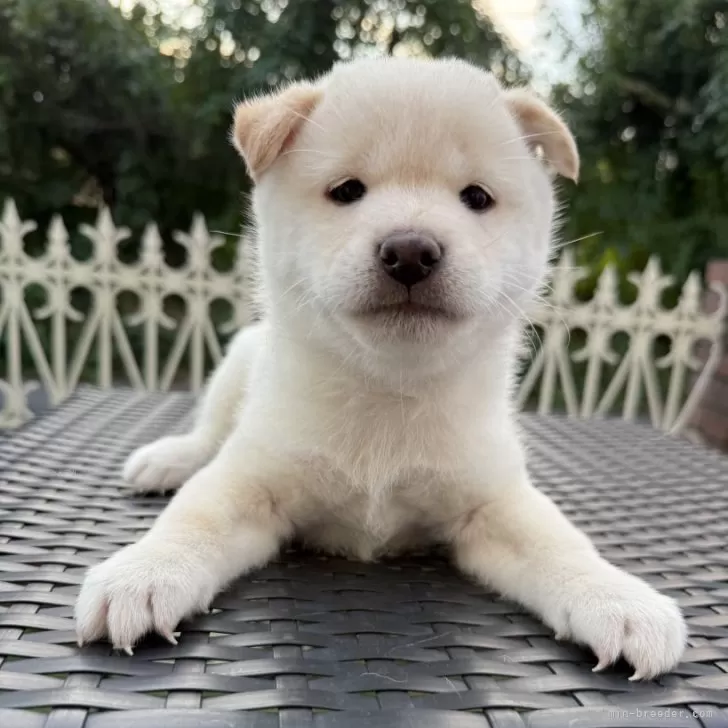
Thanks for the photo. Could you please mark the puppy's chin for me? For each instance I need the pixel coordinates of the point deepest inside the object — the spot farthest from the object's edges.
(406, 321)
(405, 325)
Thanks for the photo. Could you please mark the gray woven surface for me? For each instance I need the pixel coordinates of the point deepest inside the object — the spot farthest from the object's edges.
(323, 643)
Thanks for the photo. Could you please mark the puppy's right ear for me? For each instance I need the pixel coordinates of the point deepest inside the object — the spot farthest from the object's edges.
(543, 128)
(263, 127)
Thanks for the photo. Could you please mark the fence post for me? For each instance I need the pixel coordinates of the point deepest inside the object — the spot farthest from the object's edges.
(710, 419)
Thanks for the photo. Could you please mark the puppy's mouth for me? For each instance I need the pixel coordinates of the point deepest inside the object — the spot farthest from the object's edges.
(411, 310)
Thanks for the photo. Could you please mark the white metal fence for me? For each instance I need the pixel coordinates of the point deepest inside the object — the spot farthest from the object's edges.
(151, 325)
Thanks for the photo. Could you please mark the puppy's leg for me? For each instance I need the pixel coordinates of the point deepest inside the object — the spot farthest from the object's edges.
(167, 463)
(523, 546)
(225, 521)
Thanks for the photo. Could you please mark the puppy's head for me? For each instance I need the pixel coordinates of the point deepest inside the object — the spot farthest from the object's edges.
(404, 205)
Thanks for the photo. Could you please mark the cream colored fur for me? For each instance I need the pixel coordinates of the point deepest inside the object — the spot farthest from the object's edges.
(360, 425)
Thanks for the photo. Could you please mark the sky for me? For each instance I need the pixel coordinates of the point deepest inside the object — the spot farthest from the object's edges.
(525, 23)
(523, 20)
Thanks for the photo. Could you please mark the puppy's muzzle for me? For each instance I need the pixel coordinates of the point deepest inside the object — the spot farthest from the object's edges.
(409, 257)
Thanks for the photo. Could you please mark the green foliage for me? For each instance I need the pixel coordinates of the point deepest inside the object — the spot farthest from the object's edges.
(650, 112)
(84, 111)
(134, 111)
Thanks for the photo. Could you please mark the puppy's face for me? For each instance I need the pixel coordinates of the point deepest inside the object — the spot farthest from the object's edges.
(400, 203)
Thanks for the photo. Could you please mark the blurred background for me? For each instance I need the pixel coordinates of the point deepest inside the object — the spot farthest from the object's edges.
(127, 103)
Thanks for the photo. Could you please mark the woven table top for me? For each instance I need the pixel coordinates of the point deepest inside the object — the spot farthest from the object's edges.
(317, 642)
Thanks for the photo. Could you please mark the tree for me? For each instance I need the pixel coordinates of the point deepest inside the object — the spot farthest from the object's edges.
(650, 111)
(85, 112)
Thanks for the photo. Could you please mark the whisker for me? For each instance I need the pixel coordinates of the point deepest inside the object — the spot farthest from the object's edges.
(228, 234)
(518, 277)
(553, 308)
(528, 136)
(536, 296)
(559, 246)
(493, 241)
(307, 151)
(308, 119)
(522, 315)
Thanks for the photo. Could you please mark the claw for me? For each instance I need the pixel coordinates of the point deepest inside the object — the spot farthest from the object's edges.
(128, 650)
(169, 636)
(637, 676)
(602, 664)
(561, 636)
(79, 641)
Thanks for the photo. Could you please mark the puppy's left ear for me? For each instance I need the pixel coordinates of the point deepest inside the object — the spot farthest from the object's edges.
(543, 128)
(263, 127)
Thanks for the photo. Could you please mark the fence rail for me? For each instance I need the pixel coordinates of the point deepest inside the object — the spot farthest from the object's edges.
(50, 340)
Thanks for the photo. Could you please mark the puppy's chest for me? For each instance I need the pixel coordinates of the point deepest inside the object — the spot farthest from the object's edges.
(366, 522)
(376, 444)
(370, 519)
(379, 479)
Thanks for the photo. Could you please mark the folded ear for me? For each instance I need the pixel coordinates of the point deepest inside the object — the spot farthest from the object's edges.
(543, 128)
(263, 127)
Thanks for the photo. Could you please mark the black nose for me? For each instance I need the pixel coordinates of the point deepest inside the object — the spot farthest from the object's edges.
(409, 257)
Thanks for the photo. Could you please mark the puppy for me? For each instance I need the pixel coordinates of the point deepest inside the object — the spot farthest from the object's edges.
(405, 212)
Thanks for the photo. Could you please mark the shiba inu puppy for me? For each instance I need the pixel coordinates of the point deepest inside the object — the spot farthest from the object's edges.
(405, 213)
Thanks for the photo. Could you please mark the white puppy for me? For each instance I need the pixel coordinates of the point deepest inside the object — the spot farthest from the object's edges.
(404, 221)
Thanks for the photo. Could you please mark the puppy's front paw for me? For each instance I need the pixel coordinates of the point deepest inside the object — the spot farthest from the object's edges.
(617, 614)
(167, 463)
(145, 587)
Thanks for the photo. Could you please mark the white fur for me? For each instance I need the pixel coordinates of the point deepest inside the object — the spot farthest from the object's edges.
(367, 432)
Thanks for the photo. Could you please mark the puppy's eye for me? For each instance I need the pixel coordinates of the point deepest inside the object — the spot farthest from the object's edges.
(476, 198)
(348, 191)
